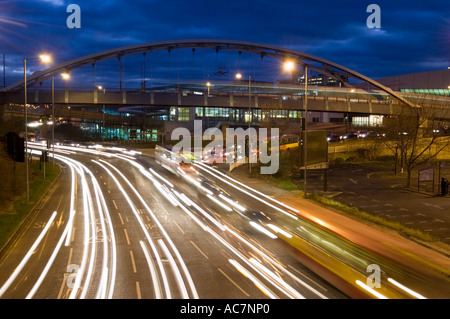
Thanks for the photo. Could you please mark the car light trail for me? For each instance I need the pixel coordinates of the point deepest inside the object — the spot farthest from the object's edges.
(240, 207)
(409, 291)
(175, 270)
(277, 281)
(161, 178)
(263, 230)
(28, 255)
(250, 194)
(248, 187)
(371, 290)
(147, 235)
(163, 231)
(257, 283)
(215, 200)
(153, 272)
(279, 230)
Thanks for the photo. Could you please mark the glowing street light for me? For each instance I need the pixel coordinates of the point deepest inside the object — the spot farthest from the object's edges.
(65, 76)
(45, 58)
(289, 66)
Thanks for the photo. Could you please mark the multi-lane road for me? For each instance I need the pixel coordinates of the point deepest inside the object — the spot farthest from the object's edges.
(116, 224)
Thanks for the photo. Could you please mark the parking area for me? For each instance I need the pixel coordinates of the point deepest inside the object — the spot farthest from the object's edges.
(373, 188)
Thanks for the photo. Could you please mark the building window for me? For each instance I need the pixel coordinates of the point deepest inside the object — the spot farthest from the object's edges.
(199, 111)
(183, 114)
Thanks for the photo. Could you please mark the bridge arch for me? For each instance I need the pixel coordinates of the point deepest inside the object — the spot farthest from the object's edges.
(318, 64)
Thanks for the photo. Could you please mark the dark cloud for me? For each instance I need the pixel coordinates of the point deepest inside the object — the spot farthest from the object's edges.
(414, 35)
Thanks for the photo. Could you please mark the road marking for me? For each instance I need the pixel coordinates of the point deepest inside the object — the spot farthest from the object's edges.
(179, 227)
(115, 205)
(201, 252)
(138, 290)
(132, 261)
(121, 220)
(126, 236)
(231, 280)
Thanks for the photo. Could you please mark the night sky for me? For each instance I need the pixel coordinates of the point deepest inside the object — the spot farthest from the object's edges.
(414, 35)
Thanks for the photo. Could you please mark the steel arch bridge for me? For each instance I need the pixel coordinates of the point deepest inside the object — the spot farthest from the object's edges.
(320, 65)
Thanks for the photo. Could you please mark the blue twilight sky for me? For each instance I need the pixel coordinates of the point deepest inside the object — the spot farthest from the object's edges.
(414, 35)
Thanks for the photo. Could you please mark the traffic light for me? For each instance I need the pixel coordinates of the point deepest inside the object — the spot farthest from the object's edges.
(15, 147)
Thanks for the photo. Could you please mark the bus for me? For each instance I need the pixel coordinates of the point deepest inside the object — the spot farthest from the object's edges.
(285, 142)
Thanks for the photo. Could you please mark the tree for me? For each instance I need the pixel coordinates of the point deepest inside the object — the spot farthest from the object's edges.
(416, 135)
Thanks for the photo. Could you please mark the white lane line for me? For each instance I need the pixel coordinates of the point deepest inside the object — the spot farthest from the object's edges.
(233, 282)
(201, 251)
(133, 262)
(126, 236)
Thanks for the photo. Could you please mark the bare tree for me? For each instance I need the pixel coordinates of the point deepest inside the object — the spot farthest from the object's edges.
(416, 135)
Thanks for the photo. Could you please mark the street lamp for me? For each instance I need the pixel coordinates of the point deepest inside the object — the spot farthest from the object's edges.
(289, 66)
(239, 76)
(45, 59)
(100, 88)
(65, 75)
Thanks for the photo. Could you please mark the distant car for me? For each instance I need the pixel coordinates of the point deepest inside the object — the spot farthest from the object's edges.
(332, 138)
(348, 136)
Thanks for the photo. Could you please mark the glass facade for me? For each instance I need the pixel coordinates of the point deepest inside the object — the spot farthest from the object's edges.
(442, 92)
(234, 114)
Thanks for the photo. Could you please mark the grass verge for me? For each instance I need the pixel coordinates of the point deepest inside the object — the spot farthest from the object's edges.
(11, 220)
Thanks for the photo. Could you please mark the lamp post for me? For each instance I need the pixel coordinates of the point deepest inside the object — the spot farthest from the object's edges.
(100, 88)
(305, 156)
(239, 76)
(53, 120)
(290, 67)
(45, 59)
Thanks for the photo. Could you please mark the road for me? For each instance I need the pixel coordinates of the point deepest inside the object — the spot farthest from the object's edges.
(116, 224)
(111, 228)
